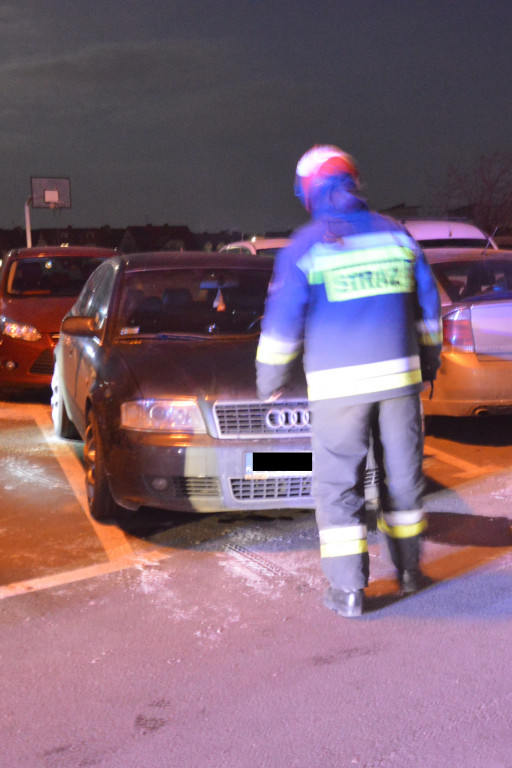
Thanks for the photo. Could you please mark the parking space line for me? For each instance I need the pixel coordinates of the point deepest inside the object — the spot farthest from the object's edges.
(81, 574)
(458, 563)
(116, 545)
(473, 470)
(59, 579)
(466, 560)
(112, 538)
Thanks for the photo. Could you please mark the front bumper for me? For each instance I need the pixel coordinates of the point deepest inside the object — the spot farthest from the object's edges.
(203, 474)
(26, 363)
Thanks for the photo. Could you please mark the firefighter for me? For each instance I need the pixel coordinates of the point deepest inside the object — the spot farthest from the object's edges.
(355, 295)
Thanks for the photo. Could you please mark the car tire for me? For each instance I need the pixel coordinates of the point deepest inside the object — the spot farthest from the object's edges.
(102, 505)
(62, 424)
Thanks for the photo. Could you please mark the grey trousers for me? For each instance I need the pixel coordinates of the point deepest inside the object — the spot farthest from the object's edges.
(341, 437)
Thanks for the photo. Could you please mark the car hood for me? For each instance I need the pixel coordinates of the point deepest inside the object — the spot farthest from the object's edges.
(212, 368)
(44, 313)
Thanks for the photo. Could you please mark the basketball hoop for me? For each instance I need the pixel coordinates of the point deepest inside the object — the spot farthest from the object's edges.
(48, 192)
(56, 209)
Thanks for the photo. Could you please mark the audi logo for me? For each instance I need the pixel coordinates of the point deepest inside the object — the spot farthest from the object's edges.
(287, 418)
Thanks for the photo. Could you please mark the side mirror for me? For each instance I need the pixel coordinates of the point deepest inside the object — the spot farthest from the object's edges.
(80, 326)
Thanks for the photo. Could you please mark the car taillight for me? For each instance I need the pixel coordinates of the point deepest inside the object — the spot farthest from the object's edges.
(457, 331)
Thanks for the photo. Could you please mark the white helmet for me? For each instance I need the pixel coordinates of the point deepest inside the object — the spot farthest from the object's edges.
(319, 165)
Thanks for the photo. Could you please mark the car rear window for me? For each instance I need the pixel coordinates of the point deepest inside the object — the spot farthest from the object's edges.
(192, 301)
(462, 280)
(50, 276)
(454, 242)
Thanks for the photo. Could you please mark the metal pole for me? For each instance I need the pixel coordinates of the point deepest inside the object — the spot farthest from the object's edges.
(27, 222)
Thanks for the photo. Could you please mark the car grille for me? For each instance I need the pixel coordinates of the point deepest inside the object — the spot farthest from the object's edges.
(271, 488)
(278, 419)
(43, 365)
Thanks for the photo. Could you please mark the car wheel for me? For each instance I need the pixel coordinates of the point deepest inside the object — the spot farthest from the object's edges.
(101, 502)
(62, 424)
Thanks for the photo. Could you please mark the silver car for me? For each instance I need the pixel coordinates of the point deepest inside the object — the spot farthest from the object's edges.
(475, 377)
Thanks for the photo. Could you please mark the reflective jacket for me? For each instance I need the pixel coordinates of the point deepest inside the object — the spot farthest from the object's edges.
(356, 295)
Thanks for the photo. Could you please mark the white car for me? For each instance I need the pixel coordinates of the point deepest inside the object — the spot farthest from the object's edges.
(447, 233)
(256, 246)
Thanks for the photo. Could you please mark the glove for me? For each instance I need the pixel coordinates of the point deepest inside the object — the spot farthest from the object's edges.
(429, 364)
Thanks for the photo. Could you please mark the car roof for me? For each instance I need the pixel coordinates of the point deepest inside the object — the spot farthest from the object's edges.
(434, 255)
(258, 243)
(60, 250)
(436, 228)
(444, 230)
(193, 259)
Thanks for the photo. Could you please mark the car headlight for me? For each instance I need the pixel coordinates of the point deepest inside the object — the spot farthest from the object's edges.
(162, 416)
(18, 330)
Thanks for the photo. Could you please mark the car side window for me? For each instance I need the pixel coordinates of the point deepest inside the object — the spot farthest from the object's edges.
(95, 297)
(239, 251)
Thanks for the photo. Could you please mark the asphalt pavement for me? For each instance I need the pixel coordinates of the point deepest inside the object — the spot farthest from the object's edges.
(202, 641)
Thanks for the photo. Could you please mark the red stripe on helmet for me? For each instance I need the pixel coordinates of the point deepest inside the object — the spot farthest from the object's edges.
(320, 162)
(338, 164)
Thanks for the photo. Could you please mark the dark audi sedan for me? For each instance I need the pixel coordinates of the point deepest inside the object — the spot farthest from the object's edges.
(154, 369)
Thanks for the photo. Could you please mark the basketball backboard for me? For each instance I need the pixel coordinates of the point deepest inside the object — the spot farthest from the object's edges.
(50, 192)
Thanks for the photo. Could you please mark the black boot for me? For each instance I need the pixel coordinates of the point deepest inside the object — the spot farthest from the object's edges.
(347, 604)
(411, 581)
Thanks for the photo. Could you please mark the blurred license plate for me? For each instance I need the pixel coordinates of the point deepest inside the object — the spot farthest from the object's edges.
(276, 464)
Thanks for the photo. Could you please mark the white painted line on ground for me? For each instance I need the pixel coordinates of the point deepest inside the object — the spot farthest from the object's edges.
(113, 540)
(115, 543)
(59, 579)
(79, 574)
(470, 469)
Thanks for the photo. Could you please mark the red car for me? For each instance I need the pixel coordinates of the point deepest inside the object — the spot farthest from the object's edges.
(37, 288)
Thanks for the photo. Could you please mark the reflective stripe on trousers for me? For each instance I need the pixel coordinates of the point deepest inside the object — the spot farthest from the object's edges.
(338, 542)
(402, 525)
(341, 436)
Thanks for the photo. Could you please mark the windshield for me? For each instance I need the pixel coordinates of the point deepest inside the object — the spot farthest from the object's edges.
(192, 301)
(462, 280)
(50, 276)
(269, 252)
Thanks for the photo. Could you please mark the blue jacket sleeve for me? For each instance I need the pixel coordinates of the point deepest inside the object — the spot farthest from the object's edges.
(283, 323)
(428, 319)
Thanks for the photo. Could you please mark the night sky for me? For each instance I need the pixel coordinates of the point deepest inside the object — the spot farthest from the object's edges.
(195, 112)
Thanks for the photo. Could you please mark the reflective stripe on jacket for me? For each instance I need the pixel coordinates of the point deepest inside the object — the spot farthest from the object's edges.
(359, 297)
